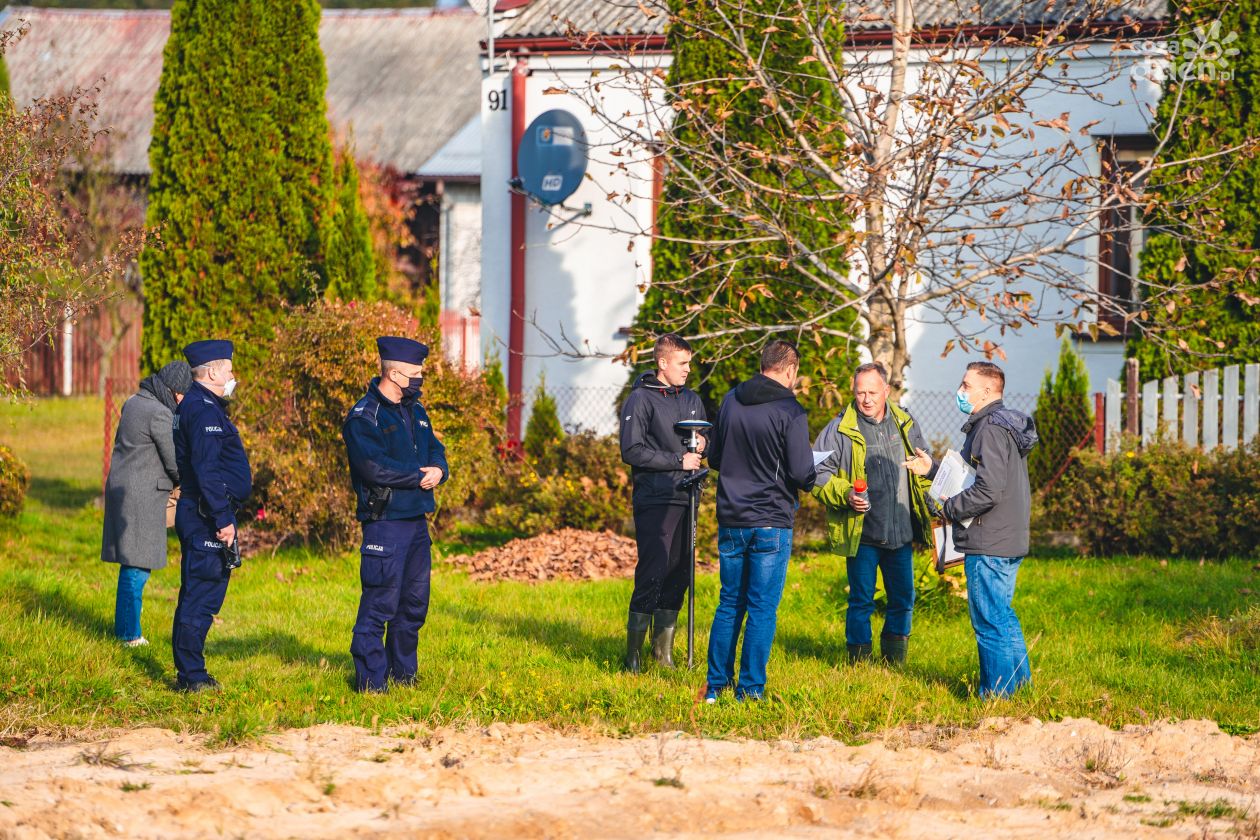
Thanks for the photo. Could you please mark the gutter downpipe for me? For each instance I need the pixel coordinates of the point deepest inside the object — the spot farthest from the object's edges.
(516, 323)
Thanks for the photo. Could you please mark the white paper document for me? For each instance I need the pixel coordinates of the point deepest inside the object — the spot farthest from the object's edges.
(953, 476)
(946, 553)
(819, 457)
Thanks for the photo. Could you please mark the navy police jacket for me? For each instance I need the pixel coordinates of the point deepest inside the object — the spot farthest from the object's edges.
(387, 444)
(213, 467)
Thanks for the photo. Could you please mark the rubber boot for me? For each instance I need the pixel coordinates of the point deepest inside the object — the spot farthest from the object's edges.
(893, 649)
(664, 623)
(636, 632)
(859, 653)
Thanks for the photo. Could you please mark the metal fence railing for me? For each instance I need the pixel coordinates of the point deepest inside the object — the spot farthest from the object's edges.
(937, 414)
(592, 408)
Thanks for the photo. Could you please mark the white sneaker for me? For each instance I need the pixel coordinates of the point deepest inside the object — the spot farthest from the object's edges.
(140, 642)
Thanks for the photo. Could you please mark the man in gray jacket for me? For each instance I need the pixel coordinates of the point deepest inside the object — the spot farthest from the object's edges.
(996, 509)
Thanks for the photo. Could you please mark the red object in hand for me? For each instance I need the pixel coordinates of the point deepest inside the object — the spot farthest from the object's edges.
(859, 486)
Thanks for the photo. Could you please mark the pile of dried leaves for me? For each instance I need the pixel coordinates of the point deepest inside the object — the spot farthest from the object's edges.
(566, 554)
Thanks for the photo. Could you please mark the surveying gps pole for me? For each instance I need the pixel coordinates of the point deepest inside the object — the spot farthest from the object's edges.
(693, 484)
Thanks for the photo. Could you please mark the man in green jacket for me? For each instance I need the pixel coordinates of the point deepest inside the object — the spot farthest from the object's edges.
(876, 442)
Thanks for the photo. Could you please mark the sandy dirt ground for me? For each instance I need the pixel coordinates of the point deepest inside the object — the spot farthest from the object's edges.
(1007, 778)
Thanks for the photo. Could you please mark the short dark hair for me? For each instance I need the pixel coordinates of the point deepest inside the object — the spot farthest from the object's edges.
(779, 355)
(878, 367)
(991, 372)
(669, 343)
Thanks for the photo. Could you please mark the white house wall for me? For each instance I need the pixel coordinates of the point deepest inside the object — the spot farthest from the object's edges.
(581, 281)
(1034, 349)
(496, 217)
(460, 266)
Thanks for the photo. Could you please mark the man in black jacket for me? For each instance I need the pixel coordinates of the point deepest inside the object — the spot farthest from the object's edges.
(659, 461)
(762, 452)
(995, 510)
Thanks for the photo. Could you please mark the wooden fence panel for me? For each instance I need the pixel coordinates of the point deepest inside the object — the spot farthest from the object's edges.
(1169, 400)
(44, 365)
(1251, 402)
(1224, 412)
(1190, 416)
(1211, 409)
(1229, 408)
(1150, 410)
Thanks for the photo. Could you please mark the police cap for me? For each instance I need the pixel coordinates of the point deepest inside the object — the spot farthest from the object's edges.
(203, 352)
(397, 349)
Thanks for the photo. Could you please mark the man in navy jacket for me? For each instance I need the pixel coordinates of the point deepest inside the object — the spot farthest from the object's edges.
(395, 462)
(216, 479)
(762, 453)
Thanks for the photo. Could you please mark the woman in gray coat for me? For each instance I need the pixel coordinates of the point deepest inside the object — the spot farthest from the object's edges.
(142, 473)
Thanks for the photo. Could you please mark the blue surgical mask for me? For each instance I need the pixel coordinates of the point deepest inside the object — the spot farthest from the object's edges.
(964, 404)
(412, 389)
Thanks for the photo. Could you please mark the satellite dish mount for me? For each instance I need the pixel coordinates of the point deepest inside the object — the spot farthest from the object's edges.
(552, 160)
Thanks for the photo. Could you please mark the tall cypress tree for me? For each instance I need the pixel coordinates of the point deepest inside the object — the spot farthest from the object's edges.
(1216, 310)
(351, 262)
(1062, 415)
(720, 279)
(242, 188)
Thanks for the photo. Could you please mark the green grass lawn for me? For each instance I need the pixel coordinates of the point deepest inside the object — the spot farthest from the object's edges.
(1122, 640)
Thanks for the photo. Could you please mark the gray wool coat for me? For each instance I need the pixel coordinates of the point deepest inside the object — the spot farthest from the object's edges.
(142, 473)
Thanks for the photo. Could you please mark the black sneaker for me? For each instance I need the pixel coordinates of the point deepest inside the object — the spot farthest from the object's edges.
(208, 684)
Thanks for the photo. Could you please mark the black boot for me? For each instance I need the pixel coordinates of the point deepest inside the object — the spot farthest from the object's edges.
(893, 649)
(664, 623)
(859, 653)
(636, 631)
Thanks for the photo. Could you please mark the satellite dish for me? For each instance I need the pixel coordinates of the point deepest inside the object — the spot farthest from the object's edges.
(552, 157)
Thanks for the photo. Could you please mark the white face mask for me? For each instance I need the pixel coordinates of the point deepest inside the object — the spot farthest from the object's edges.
(229, 387)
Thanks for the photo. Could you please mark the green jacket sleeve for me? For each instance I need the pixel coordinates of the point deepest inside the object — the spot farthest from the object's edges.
(835, 493)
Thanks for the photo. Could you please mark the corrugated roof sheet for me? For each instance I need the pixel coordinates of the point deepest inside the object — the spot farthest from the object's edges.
(460, 157)
(550, 18)
(405, 81)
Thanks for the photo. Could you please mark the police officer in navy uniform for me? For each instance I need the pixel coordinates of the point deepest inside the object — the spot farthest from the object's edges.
(216, 478)
(395, 462)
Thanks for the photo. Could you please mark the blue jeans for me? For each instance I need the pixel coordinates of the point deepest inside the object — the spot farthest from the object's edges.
(128, 601)
(897, 564)
(1003, 655)
(754, 565)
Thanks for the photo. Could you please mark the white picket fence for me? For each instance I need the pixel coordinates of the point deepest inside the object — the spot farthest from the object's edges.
(1204, 409)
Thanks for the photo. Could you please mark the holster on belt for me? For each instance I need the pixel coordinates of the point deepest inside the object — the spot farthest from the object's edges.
(378, 502)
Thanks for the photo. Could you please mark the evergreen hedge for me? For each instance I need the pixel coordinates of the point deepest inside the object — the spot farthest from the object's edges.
(1063, 416)
(1217, 311)
(242, 190)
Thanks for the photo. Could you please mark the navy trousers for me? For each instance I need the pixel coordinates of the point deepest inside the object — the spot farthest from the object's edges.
(394, 565)
(203, 583)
